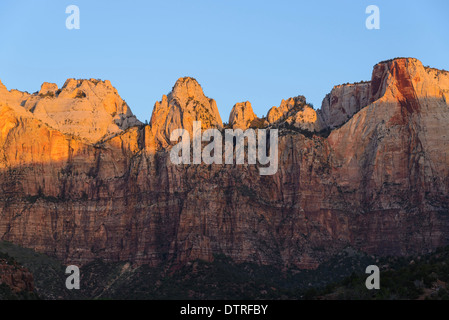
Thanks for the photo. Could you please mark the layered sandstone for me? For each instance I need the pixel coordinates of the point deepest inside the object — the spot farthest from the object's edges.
(378, 183)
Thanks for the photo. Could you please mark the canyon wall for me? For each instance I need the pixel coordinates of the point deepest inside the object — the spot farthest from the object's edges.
(379, 182)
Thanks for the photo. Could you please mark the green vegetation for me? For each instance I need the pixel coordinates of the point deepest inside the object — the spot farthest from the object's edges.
(48, 273)
(41, 195)
(221, 279)
(410, 278)
(6, 293)
(289, 128)
(80, 95)
(361, 82)
(389, 60)
(341, 277)
(258, 123)
(9, 260)
(437, 71)
(49, 94)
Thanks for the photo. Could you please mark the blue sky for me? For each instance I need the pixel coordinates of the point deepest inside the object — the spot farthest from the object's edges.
(261, 51)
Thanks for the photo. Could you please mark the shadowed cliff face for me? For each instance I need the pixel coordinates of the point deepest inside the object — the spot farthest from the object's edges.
(378, 183)
(16, 277)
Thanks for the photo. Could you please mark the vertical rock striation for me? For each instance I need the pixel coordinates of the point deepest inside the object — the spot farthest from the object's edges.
(379, 182)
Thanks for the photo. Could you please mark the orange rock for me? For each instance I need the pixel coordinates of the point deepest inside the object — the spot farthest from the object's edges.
(296, 112)
(241, 116)
(184, 105)
(89, 109)
(377, 183)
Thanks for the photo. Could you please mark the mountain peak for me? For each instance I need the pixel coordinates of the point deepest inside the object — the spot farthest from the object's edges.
(287, 108)
(407, 59)
(187, 88)
(395, 79)
(398, 72)
(89, 109)
(242, 115)
(48, 88)
(3, 90)
(185, 104)
(295, 111)
(186, 82)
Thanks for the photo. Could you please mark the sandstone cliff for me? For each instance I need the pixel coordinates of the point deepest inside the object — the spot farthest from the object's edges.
(378, 183)
(185, 104)
(88, 109)
(343, 102)
(296, 112)
(241, 116)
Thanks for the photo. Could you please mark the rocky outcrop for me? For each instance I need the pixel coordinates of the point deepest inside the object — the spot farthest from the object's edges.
(241, 116)
(91, 110)
(378, 183)
(3, 89)
(49, 89)
(185, 104)
(14, 98)
(343, 102)
(296, 112)
(389, 154)
(16, 277)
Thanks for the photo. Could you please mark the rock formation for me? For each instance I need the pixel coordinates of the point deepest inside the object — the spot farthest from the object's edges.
(379, 182)
(91, 110)
(241, 116)
(296, 112)
(16, 277)
(343, 102)
(183, 105)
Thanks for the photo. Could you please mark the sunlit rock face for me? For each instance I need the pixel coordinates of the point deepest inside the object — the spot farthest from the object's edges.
(377, 182)
(91, 110)
(241, 116)
(343, 102)
(296, 112)
(185, 104)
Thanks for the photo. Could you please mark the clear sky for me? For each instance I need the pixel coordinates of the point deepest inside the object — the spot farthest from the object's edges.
(239, 50)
